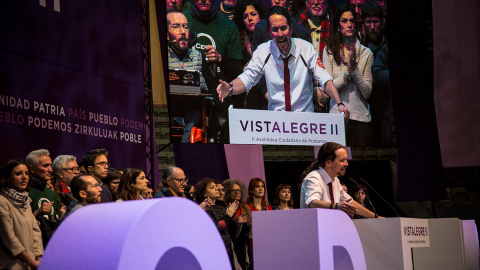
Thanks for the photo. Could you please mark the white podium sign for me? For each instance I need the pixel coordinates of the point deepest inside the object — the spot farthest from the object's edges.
(285, 128)
(388, 242)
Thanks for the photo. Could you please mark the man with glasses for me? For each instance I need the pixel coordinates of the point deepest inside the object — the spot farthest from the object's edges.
(182, 57)
(86, 190)
(96, 164)
(45, 203)
(65, 168)
(174, 182)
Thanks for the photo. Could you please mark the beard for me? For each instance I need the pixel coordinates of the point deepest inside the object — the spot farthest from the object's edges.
(375, 37)
(93, 199)
(175, 45)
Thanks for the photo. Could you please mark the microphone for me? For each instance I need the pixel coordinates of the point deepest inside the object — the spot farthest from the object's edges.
(264, 63)
(255, 81)
(316, 82)
(370, 187)
(366, 197)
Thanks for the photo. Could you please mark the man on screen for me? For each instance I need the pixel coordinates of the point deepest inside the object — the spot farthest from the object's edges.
(261, 33)
(180, 56)
(320, 183)
(288, 64)
(218, 40)
(379, 100)
(372, 18)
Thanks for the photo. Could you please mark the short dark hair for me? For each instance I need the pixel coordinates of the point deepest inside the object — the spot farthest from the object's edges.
(89, 158)
(372, 9)
(279, 11)
(7, 171)
(112, 174)
(358, 187)
(201, 188)
(77, 184)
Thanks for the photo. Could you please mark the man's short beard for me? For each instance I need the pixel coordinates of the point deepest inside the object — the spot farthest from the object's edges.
(91, 200)
(375, 37)
(175, 45)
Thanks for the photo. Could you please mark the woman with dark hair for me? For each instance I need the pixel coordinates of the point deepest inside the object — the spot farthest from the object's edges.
(350, 64)
(360, 194)
(247, 14)
(221, 190)
(112, 180)
(21, 240)
(283, 199)
(224, 217)
(235, 190)
(132, 183)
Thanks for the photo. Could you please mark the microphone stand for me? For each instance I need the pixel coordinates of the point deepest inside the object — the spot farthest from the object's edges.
(380, 196)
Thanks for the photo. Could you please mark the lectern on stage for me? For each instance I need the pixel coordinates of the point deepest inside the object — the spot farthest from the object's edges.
(329, 239)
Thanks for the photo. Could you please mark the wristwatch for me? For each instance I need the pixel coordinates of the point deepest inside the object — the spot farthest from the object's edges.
(230, 89)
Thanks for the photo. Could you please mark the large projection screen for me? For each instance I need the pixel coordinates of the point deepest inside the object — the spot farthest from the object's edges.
(71, 79)
(198, 116)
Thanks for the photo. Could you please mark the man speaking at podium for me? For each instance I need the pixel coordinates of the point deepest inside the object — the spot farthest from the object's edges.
(320, 186)
(288, 64)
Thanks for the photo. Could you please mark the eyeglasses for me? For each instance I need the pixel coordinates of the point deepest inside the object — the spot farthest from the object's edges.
(180, 180)
(94, 186)
(72, 170)
(235, 190)
(103, 164)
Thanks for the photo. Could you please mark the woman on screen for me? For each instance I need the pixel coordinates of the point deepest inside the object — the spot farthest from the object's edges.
(21, 240)
(132, 183)
(247, 14)
(350, 63)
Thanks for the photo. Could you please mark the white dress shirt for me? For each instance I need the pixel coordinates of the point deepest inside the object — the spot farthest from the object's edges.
(301, 85)
(315, 187)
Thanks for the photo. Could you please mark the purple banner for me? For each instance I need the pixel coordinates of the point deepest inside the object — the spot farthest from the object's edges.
(71, 79)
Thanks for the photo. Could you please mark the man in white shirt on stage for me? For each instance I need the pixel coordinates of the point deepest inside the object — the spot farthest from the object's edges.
(288, 64)
(321, 187)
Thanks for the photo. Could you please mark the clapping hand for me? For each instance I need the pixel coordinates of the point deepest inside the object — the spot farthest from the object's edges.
(206, 203)
(232, 208)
